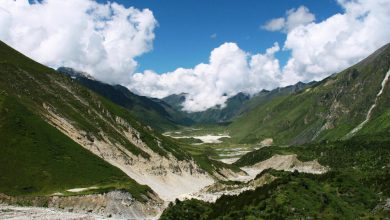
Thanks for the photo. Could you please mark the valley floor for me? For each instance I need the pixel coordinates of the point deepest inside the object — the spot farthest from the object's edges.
(213, 143)
(18, 213)
(239, 168)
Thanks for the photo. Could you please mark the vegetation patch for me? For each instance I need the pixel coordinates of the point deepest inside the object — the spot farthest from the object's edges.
(40, 160)
(356, 185)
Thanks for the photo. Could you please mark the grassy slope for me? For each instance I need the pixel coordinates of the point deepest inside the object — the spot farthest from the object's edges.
(341, 102)
(381, 114)
(149, 111)
(37, 159)
(143, 108)
(358, 182)
(35, 84)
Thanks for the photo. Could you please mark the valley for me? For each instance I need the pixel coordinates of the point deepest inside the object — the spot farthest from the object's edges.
(89, 150)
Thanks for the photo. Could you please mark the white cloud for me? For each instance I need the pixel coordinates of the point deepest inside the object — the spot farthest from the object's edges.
(320, 49)
(317, 50)
(213, 36)
(230, 70)
(102, 39)
(105, 39)
(275, 24)
(294, 18)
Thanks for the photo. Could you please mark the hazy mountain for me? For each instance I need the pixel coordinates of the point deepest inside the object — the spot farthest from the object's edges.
(235, 106)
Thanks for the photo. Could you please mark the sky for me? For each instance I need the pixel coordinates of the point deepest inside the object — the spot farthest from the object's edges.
(188, 30)
(209, 50)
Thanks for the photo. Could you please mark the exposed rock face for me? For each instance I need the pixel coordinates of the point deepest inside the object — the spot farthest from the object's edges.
(167, 176)
(266, 142)
(213, 192)
(286, 163)
(247, 180)
(21, 213)
(114, 204)
(228, 174)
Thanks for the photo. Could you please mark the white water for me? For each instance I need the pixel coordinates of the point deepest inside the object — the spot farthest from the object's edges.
(369, 113)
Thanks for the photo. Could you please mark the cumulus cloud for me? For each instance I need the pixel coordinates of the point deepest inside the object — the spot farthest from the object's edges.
(320, 49)
(102, 39)
(275, 24)
(230, 70)
(294, 18)
(105, 39)
(317, 50)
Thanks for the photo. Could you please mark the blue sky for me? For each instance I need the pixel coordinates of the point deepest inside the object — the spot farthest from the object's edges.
(112, 42)
(185, 26)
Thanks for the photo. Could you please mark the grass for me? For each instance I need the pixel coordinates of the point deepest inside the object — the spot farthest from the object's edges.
(34, 84)
(36, 158)
(340, 102)
(357, 184)
(39, 160)
(150, 112)
(206, 155)
(290, 196)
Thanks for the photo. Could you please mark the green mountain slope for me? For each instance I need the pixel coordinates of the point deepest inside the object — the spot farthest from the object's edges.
(37, 159)
(93, 123)
(150, 111)
(329, 109)
(40, 88)
(356, 187)
(344, 124)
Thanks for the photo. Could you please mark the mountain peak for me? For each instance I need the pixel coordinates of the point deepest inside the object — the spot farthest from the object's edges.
(383, 53)
(74, 73)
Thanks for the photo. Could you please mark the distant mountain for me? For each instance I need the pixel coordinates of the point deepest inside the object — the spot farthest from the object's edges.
(175, 100)
(235, 106)
(340, 106)
(153, 112)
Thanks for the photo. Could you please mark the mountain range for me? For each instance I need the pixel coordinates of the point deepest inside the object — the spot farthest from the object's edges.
(73, 143)
(62, 136)
(328, 110)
